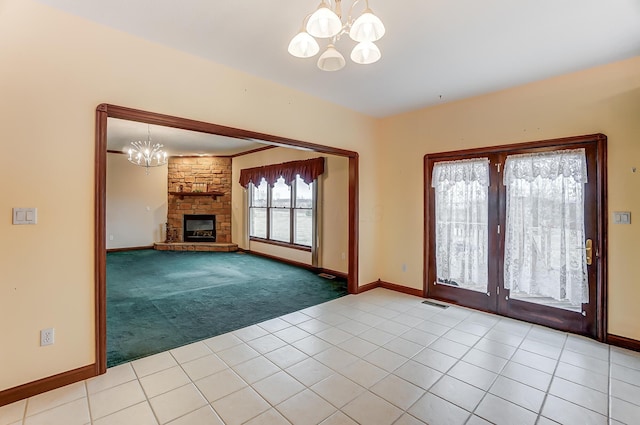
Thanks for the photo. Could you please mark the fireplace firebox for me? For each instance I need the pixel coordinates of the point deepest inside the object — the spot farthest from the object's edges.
(199, 228)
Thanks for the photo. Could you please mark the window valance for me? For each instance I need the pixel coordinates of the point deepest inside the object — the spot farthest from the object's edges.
(547, 165)
(308, 169)
(447, 174)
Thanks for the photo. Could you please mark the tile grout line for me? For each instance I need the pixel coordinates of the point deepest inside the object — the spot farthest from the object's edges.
(335, 372)
(458, 360)
(192, 382)
(250, 385)
(443, 374)
(135, 372)
(609, 387)
(576, 404)
(553, 375)
(499, 374)
(56, 406)
(388, 373)
(86, 390)
(24, 413)
(557, 360)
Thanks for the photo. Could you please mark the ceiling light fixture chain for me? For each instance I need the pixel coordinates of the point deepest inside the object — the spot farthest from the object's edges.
(146, 154)
(326, 22)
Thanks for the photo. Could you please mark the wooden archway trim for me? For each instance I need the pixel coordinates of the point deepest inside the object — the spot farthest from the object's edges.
(105, 111)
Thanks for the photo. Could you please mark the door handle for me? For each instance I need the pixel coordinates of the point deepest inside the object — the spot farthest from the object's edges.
(589, 251)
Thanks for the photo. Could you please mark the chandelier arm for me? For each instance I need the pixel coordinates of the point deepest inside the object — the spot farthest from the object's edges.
(353, 5)
(304, 22)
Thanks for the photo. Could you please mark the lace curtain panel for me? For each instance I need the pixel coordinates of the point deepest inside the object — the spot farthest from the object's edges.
(545, 237)
(461, 215)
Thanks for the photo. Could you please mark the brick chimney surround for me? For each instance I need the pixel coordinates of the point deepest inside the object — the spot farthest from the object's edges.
(210, 174)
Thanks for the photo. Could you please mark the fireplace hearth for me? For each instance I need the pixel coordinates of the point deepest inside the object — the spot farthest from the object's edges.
(199, 228)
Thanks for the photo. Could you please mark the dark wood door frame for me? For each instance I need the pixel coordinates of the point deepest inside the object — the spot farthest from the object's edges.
(600, 214)
(105, 111)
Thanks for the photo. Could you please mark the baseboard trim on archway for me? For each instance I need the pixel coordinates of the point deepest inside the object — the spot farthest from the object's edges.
(46, 384)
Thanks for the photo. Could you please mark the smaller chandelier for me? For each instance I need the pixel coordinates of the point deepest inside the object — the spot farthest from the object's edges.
(326, 22)
(147, 155)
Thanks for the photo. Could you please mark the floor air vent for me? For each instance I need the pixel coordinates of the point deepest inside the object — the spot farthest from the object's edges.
(326, 275)
(435, 304)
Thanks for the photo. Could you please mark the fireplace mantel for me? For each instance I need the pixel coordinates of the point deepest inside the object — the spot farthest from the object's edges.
(212, 194)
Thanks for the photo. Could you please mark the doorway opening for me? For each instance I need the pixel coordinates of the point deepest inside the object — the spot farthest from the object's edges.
(105, 111)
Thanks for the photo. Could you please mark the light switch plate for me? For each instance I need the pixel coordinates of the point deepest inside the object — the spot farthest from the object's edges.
(622, 217)
(25, 216)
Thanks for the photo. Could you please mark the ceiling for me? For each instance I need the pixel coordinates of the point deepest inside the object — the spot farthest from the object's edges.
(175, 141)
(434, 51)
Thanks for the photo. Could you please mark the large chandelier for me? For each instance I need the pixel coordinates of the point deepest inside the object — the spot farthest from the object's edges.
(326, 22)
(147, 155)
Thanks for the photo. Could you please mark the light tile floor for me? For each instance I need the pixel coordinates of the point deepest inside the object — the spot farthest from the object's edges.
(376, 358)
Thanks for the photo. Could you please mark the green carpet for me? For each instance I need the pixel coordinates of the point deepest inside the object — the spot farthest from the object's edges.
(159, 300)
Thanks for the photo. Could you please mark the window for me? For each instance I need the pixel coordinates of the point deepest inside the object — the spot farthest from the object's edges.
(282, 213)
(258, 210)
(282, 206)
(303, 213)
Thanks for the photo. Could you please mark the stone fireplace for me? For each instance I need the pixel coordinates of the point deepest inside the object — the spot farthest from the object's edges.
(198, 176)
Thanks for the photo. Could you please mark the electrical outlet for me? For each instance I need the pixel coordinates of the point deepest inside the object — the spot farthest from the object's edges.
(47, 337)
(404, 268)
(344, 256)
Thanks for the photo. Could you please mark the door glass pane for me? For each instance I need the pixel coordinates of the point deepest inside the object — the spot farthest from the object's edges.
(545, 260)
(280, 225)
(461, 222)
(258, 222)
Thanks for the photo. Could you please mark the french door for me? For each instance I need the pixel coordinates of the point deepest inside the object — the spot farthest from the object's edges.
(518, 230)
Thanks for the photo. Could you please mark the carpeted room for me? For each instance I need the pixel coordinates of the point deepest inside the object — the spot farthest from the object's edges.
(158, 299)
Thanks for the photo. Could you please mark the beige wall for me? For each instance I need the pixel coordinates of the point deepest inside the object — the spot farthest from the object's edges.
(56, 69)
(136, 203)
(333, 206)
(601, 100)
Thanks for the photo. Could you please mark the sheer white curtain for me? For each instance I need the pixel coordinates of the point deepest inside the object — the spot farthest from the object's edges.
(461, 211)
(545, 238)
